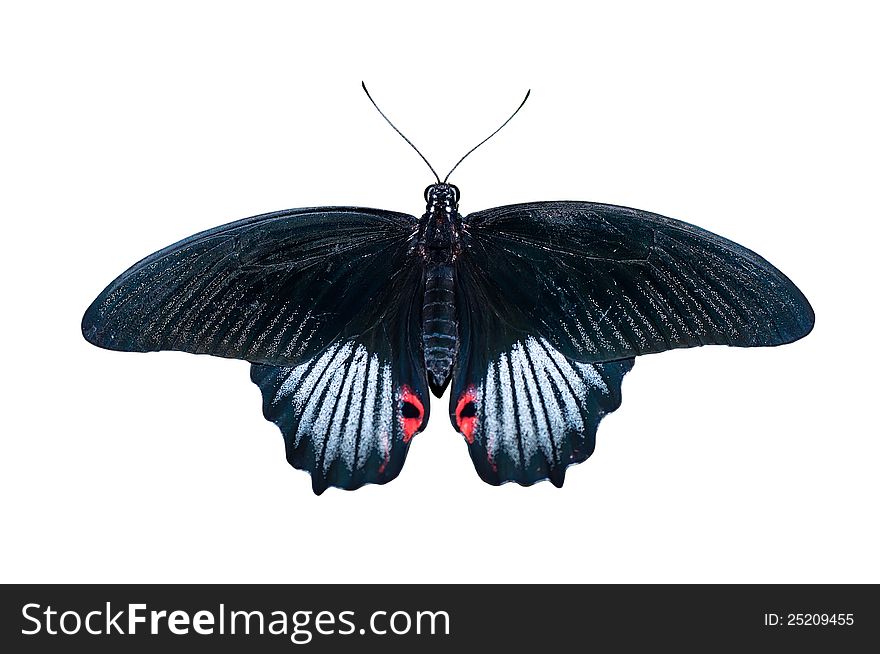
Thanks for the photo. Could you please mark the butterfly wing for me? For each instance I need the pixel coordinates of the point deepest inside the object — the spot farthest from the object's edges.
(324, 302)
(601, 282)
(275, 289)
(556, 298)
(526, 411)
(348, 414)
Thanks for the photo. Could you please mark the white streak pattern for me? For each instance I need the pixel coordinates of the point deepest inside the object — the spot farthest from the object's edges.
(533, 397)
(344, 400)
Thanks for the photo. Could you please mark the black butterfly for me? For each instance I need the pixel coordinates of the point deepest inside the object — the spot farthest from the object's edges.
(533, 312)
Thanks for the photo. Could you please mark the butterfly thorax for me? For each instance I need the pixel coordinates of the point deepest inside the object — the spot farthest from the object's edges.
(438, 244)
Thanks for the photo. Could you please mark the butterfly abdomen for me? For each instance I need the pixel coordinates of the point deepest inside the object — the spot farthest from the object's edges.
(439, 326)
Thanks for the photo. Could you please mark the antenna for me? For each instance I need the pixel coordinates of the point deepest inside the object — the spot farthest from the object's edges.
(485, 139)
(401, 133)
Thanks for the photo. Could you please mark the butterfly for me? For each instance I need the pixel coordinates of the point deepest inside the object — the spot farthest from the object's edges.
(532, 314)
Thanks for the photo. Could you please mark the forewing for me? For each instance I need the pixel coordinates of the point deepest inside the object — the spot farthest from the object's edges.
(601, 282)
(348, 413)
(275, 289)
(526, 411)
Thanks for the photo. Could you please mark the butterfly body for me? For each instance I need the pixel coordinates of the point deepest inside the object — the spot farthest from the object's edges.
(438, 244)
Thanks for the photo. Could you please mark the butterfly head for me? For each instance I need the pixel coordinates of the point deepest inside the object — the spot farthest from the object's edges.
(442, 197)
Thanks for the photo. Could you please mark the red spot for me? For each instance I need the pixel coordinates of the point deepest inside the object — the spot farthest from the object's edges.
(466, 413)
(412, 412)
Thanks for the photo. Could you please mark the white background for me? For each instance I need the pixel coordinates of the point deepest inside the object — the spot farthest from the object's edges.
(125, 129)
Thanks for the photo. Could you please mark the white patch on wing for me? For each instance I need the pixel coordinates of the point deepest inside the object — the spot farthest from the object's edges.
(533, 401)
(309, 397)
(342, 406)
(384, 424)
(591, 376)
(554, 415)
(525, 411)
(509, 439)
(368, 431)
(564, 384)
(487, 401)
(344, 402)
(359, 367)
(323, 423)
